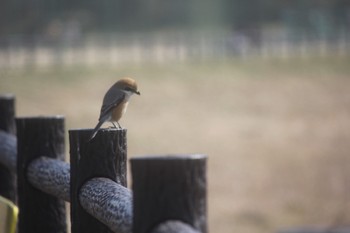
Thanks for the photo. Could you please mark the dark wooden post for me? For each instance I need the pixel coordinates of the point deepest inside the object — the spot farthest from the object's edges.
(7, 114)
(39, 212)
(169, 188)
(8, 183)
(103, 156)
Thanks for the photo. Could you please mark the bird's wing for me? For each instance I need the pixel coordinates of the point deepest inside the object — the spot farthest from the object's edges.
(110, 101)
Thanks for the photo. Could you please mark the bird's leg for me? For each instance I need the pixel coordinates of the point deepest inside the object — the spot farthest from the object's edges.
(119, 127)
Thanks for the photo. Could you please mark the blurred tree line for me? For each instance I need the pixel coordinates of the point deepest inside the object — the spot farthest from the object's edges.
(33, 17)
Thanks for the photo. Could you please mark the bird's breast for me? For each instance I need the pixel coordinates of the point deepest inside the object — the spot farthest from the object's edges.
(119, 111)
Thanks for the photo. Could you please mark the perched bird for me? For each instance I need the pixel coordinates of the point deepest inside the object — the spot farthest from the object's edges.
(115, 102)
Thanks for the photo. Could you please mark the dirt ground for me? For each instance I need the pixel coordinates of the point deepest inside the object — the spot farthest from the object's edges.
(277, 133)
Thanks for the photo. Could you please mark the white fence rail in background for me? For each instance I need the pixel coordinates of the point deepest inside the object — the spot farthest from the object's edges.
(111, 49)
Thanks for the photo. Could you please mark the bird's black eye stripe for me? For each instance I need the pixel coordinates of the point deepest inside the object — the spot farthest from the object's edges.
(128, 89)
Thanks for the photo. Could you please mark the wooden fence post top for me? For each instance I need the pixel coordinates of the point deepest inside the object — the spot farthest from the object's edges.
(8, 187)
(169, 187)
(7, 96)
(39, 118)
(38, 136)
(169, 157)
(89, 130)
(106, 133)
(103, 156)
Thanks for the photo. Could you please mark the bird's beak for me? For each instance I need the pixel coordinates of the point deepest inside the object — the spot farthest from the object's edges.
(137, 93)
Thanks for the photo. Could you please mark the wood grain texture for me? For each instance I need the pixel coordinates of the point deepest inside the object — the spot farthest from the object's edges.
(169, 188)
(8, 151)
(8, 179)
(107, 201)
(39, 212)
(103, 156)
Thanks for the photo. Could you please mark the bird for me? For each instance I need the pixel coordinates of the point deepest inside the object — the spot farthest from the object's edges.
(115, 102)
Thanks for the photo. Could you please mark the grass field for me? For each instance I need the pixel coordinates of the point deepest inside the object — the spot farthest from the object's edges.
(277, 133)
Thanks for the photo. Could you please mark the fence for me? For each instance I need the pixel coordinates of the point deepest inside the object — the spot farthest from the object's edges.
(168, 192)
(115, 49)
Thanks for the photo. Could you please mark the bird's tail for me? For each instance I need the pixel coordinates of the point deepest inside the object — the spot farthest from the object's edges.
(94, 132)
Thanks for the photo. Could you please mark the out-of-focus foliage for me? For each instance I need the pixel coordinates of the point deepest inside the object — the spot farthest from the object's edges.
(33, 17)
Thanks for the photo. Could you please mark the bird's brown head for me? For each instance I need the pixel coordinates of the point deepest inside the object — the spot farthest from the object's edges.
(127, 85)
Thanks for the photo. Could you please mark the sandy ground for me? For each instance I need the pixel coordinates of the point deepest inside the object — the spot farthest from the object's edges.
(277, 133)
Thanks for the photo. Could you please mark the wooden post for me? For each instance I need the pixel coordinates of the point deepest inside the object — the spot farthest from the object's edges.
(7, 114)
(103, 156)
(169, 188)
(107, 201)
(39, 212)
(8, 182)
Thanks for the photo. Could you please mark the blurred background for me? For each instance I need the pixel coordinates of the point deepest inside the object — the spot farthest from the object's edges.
(261, 87)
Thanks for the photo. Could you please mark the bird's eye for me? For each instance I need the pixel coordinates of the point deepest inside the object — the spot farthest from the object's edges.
(127, 89)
